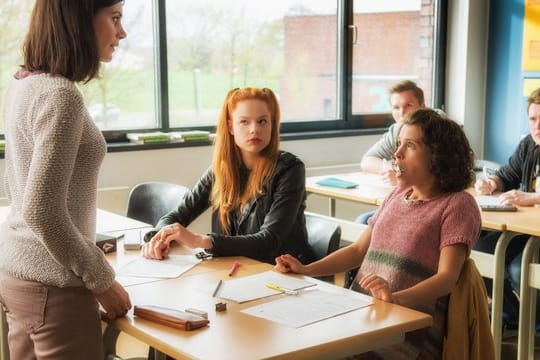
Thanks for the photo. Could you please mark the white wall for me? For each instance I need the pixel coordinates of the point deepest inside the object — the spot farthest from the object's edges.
(467, 42)
(185, 165)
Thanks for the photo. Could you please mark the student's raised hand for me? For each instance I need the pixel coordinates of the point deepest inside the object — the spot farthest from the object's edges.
(115, 301)
(389, 177)
(378, 287)
(288, 263)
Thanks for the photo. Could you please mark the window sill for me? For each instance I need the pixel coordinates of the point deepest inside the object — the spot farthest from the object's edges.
(120, 146)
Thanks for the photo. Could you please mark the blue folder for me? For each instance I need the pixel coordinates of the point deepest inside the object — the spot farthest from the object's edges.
(335, 182)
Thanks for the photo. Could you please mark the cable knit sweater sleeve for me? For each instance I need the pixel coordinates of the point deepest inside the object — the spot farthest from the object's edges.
(52, 160)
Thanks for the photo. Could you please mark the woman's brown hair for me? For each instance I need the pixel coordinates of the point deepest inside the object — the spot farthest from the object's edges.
(61, 39)
(227, 194)
(452, 159)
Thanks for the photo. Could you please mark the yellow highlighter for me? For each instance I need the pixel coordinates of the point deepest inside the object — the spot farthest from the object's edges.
(282, 289)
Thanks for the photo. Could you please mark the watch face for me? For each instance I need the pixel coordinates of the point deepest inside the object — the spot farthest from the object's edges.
(204, 254)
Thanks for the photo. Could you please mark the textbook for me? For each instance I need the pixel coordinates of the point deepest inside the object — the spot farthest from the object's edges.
(149, 138)
(195, 135)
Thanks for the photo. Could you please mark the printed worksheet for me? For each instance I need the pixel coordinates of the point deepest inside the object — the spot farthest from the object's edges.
(308, 307)
(172, 267)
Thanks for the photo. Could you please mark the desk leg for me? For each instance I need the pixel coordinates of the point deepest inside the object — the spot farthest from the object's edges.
(498, 285)
(332, 207)
(527, 306)
(4, 350)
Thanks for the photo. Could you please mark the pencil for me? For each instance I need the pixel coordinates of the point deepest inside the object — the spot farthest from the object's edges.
(217, 288)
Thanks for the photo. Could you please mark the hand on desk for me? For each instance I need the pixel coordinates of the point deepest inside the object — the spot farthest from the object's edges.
(520, 198)
(115, 301)
(288, 263)
(378, 287)
(159, 245)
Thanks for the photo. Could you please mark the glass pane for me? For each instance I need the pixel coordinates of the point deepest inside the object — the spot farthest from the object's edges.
(394, 43)
(124, 96)
(216, 45)
(14, 17)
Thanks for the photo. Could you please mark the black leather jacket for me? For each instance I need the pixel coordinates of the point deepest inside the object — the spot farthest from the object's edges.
(520, 169)
(272, 223)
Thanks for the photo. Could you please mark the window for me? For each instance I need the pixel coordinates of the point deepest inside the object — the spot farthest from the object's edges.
(405, 52)
(329, 61)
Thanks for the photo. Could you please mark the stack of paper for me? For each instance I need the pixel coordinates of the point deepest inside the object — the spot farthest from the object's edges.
(149, 138)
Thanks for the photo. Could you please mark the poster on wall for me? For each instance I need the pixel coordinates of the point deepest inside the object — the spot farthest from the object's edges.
(531, 36)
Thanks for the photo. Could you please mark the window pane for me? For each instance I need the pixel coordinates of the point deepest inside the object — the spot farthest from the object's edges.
(14, 17)
(394, 42)
(288, 46)
(124, 96)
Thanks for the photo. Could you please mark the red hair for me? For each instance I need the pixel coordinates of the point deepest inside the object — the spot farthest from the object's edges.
(227, 196)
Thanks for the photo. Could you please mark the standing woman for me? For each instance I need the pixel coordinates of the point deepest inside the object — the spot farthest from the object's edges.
(52, 275)
(257, 192)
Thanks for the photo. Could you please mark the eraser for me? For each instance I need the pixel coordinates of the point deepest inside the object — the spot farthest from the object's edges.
(197, 312)
(221, 306)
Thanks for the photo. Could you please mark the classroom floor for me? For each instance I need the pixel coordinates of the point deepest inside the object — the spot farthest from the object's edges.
(509, 348)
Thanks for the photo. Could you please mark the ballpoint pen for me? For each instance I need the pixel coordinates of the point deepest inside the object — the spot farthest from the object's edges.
(217, 288)
(282, 289)
(233, 268)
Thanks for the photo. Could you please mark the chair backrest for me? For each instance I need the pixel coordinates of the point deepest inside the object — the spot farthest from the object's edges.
(149, 201)
(324, 234)
(468, 332)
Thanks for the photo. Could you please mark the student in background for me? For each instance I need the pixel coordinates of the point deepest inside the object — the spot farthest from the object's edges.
(416, 243)
(257, 192)
(405, 97)
(519, 180)
(52, 275)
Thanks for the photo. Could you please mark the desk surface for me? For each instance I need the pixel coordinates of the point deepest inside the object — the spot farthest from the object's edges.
(371, 188)
(235, 335)
(526, 221)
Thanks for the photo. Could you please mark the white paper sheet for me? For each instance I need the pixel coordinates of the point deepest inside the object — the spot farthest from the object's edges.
(487, 200)
(172, 267)
(308, 307)
(253, 287)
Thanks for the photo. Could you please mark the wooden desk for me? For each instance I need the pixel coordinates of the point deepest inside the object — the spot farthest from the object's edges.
(371, 189)
(235, 335)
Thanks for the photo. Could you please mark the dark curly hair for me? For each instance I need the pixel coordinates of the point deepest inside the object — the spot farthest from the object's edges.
(452, 159)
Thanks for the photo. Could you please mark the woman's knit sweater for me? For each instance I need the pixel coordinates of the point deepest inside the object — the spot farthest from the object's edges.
(53, 155)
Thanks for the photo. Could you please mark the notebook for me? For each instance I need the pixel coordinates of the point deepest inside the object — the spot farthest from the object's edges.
(336, 182)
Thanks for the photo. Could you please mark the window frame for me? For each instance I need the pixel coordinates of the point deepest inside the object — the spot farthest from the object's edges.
(346, 123)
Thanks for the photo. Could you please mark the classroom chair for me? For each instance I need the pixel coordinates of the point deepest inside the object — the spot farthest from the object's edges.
(324, 236)
(149, 201)
(468, 328)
